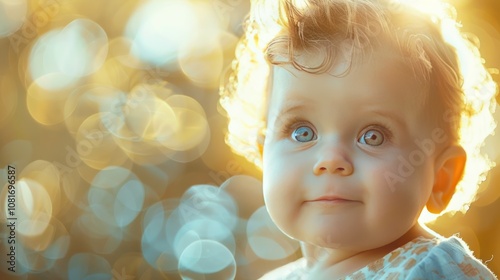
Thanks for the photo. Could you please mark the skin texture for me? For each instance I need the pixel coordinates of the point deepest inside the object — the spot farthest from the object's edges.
(354, 130)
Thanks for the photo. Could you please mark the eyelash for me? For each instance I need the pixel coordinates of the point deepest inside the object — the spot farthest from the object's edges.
(295, 122)
(383, 128)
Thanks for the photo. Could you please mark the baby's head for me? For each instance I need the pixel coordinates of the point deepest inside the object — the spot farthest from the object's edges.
(360, 115)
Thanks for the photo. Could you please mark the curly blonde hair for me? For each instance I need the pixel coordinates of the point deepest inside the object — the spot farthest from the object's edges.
(446, 63)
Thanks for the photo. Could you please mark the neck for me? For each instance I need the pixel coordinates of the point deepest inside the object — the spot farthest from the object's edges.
(341, 262)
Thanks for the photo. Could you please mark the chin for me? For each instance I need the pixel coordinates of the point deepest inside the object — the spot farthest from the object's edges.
(325, 238)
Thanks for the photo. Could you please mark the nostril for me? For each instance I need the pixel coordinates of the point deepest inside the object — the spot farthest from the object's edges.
(338, 168)
(328, 167)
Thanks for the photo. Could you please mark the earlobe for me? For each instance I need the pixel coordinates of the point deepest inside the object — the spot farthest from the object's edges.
(450, 166)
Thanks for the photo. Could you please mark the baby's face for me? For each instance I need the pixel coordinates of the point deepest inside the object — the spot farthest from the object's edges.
(341, 163)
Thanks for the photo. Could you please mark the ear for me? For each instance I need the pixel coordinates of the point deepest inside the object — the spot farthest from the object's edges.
(450, 166)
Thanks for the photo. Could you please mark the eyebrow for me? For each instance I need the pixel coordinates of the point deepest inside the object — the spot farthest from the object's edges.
(300, 104)
(289, 107)
(389, 116)
(294, 105)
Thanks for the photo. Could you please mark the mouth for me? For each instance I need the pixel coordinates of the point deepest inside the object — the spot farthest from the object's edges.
(330, 200)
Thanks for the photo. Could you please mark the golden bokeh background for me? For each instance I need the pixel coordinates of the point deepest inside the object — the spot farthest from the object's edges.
(109, 113)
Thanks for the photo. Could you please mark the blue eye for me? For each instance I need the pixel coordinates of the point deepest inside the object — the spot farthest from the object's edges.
(303, 134)
(372, 137)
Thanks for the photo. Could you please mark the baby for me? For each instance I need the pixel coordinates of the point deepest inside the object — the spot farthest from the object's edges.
(361, 115)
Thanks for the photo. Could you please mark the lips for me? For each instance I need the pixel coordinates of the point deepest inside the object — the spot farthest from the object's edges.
(327, 198)
(329, 201)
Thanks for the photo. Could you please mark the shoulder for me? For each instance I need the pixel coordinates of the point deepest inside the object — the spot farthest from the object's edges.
(289, 271)
(450, 259)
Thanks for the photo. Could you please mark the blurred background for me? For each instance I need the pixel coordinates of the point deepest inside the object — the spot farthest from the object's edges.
(109, 114)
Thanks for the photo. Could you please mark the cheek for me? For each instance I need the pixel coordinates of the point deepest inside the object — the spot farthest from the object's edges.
(382, 176)
(282, 184)
(281, 181)
(398, 186)
(282, 171)
(275, 184)
(400, 170)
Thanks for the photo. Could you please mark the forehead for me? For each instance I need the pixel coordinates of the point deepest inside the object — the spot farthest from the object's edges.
(377, 79)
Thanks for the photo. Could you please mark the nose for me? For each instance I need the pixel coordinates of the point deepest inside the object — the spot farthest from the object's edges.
(333, 162)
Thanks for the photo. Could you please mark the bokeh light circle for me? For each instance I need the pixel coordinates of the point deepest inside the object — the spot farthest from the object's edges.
(159, 28)
(40, 253)
(87, 100)
(156, 249)
(13, 16)
(75, 51)
(96, 146)
(88, 266)
(207, 259)
(208, 202)
(46, 97)
(34, 207)
(203, 230)
(266, 240)
(116, 196)
(240, 187)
